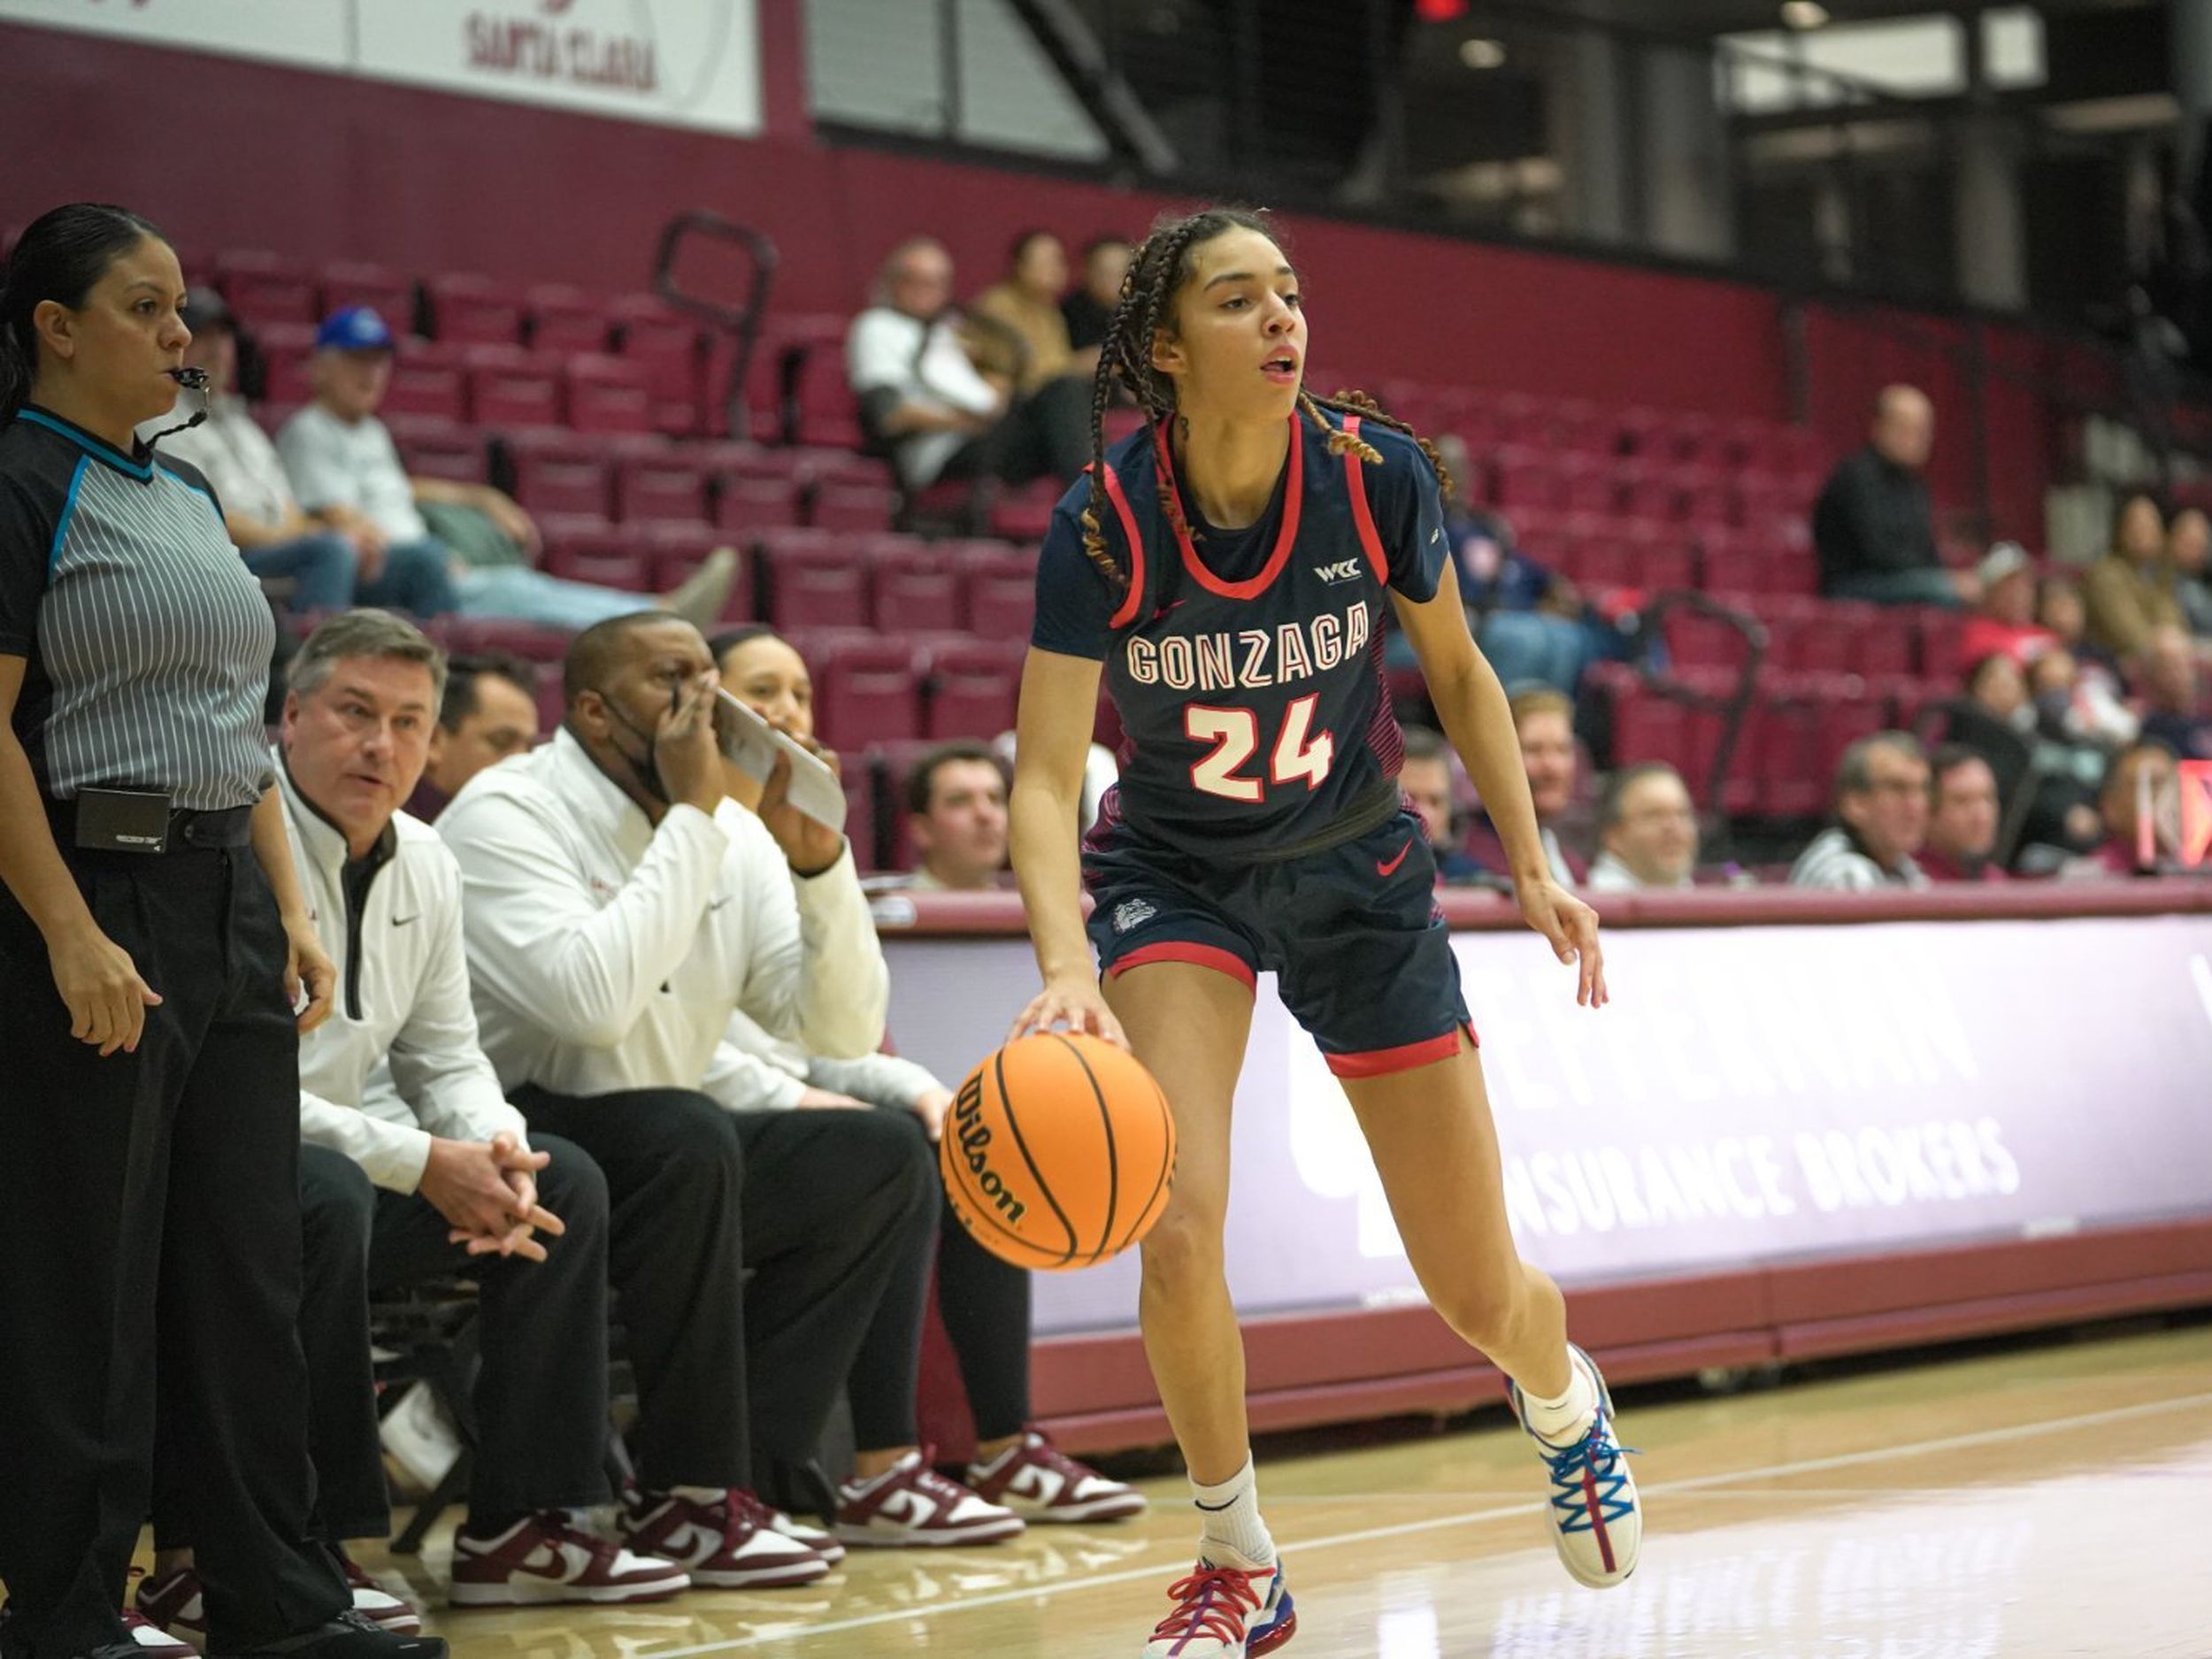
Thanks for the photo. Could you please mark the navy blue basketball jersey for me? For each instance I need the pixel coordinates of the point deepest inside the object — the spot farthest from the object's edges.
(1246, 665)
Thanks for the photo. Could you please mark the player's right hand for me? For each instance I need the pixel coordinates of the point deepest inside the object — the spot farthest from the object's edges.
(1070, 1005)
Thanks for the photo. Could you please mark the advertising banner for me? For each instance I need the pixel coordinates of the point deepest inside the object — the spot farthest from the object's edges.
(1752, 1095)
(680, 63)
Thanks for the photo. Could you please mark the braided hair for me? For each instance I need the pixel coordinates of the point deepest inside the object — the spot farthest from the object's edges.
(1157, 271)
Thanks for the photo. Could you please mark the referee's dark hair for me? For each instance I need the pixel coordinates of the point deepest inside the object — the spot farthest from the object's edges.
(61, 256)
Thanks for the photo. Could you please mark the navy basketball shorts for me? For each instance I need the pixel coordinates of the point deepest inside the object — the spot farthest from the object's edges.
(1353, 934)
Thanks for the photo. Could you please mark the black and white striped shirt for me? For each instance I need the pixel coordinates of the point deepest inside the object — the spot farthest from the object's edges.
(146, 640)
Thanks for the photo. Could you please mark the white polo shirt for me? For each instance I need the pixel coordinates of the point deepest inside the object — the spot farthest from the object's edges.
(607, 953)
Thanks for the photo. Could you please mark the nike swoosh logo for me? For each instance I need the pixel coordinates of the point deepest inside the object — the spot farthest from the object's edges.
(716, 904)
(1386, 870)
(402, 921)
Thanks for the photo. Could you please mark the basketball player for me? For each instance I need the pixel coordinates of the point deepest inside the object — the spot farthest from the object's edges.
(1226, 569)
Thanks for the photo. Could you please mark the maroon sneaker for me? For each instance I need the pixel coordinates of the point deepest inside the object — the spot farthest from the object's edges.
(377, 1604)
(152, 1642)
(172, 1603)
(733, 1545)
(1039, 1482)
(544, 1558)
(910, 1504)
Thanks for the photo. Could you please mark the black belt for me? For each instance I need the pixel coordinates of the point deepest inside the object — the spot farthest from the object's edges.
(226, 826)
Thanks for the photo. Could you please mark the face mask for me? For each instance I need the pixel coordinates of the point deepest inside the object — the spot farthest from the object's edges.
(647, 770)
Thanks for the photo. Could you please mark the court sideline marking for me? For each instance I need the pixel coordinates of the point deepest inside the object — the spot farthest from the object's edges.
(1691, 1483)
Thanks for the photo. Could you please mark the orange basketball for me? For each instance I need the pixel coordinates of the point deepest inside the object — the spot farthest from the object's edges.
(1059, 1151)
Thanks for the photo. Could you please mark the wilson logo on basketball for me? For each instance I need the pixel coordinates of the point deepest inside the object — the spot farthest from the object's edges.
(1059, 1151)
(975, 1140)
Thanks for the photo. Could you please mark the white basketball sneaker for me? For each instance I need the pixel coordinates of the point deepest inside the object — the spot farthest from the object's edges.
(1224, 1613)
(1597, 1521)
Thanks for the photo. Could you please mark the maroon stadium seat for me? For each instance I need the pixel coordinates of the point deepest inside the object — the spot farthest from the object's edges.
(510, 388)
(859, 509)
(388, 292)
(286, 350)
(268, 288)
(750, 506)
(972, 690)
(818, 586)
(607, 393)
(865, 691)
(667, 346)
(666, 484)
(427, 378)
(915, 593)
(613, 558)
(432, 448)
(563, 319)
(474, 310)
(554, 472)
(1002, 593)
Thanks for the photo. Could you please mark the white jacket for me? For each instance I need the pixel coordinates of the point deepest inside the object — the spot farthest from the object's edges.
(402, 996)
(606, 953)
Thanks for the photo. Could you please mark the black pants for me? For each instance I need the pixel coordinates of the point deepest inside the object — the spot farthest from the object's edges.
(985, 1304)
(150, 1205)
(1046, 435)
(822, 1210)
(541, 1398)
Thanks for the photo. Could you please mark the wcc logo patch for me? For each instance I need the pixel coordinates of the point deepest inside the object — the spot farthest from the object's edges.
(1345, 572)
(1132, 913)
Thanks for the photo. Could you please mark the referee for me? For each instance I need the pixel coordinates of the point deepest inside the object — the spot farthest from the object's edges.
(153, 947)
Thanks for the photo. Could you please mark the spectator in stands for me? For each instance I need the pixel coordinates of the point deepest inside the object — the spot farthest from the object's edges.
(1962, 817)
(1026, 305)
(2004, 620)
(1545, 720)
(1427, 779)
(2061, 767)
(619, 909)
(956, 806)
(1882, 819)
(329, 568)
(2131, 590)
(2078, 705)
(1873, 527)
(488, 713)
(2173, 705)
(2189, 555)
(1091, 307)
(2138, 806)
(1646, 831)
(924, 401)
(1998, 686)
(984, 1301)
(347, 473)
(444, 1178)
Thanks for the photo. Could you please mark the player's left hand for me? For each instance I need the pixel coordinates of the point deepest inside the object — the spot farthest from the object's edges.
(931, 1108)
(1572, 928)
(811, 847)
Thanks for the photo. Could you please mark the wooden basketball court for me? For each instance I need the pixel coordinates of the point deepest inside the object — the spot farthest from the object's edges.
(2042, 1502)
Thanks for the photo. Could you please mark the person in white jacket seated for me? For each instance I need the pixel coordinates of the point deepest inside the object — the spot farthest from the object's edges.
(984, 1301)
(618, 910)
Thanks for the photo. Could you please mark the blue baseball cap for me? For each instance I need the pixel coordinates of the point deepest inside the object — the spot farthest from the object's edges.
(356, 328)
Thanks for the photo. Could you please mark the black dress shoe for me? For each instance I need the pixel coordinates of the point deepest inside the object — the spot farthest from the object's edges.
(348, 1636)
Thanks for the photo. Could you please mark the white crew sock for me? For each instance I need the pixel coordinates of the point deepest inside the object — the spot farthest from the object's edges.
(1563, 1421)
(1231, 1533)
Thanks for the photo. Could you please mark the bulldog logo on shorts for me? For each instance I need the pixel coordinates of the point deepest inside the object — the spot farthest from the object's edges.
(1132, 913)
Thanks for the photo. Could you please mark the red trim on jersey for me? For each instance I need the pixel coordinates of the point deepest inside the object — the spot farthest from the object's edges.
(1362, 516)
(1127, 612)
(1293, 494)
(1198, 955)
(1384, 1061)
